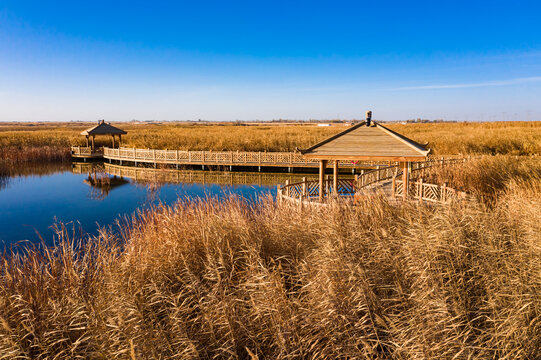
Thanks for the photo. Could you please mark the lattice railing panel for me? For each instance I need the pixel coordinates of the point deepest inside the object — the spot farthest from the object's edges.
(428, 192)
(210, 156)
(196, 156)
(170, 155)
(399, 188)
(282, 158)
(159, 155)
(79, 150)
(183, 155)
(295, 191)
(346, 186)
(312, 188)
(224, 157)
(375, 176)
(251, 157)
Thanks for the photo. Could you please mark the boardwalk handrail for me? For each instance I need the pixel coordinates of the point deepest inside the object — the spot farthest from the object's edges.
(260, 158)
(85, 151)
(427, 192)
(423, 165)
(309, 190)
(81, 150)
(376, 176)
(381, 174)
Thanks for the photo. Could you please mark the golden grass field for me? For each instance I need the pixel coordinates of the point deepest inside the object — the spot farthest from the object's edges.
(229, 280)
(26, 142)
(232, 280)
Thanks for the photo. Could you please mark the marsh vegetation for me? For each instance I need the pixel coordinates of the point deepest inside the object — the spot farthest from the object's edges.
(20, 142)
(228, 279)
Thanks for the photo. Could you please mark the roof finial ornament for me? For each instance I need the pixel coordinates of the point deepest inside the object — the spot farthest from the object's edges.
(368, 117)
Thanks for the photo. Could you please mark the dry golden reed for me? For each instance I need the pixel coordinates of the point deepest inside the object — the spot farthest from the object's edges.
(216, 279)
(20, 142)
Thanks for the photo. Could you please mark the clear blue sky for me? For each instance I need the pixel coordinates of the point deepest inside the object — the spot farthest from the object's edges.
(226, 60)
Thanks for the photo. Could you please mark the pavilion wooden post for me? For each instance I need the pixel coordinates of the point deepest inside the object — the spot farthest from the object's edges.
(322, 167)
(86, 140)
(335, 178)
(405, 179)
(119, 140)
(113, 136)
(93, 136)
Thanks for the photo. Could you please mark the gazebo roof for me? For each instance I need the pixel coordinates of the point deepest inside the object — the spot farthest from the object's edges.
(103, 128)
(361, 142)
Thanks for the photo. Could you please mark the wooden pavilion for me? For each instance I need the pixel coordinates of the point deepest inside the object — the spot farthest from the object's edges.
(102, 128)
(367, 140)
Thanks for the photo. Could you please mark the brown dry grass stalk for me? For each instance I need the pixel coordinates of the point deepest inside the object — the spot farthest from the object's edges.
(210, 279)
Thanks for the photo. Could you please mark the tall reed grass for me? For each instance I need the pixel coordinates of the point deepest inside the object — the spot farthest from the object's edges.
(226, 279)
(474, 138)
(485, 177)
(52, 141)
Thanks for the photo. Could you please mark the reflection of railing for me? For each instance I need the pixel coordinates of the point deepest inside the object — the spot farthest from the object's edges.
(234, 158)
(427, 192)
(84, 151)
(189, 176)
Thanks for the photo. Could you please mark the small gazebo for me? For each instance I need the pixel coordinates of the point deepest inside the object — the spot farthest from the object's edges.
(102, 128)
(367, 140)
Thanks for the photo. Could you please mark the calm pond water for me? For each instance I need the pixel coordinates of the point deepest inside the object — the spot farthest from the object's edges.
(32, 199)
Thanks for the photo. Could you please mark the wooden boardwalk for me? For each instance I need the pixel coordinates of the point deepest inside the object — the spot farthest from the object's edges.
(214, 158)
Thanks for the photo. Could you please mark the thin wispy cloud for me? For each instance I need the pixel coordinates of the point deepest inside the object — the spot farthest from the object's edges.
(516, 81)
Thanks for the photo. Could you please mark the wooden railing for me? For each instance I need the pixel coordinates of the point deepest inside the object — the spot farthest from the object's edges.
(376, 176)
(379, 175)
(234, 158)
(427, 192)
(421, 166)
(85, 151)
(309, 190)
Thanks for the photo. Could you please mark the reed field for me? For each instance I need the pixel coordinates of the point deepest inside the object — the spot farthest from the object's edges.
(27, 142)
(232, 280)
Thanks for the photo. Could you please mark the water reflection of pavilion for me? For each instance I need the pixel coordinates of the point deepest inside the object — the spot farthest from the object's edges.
(101, 183)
